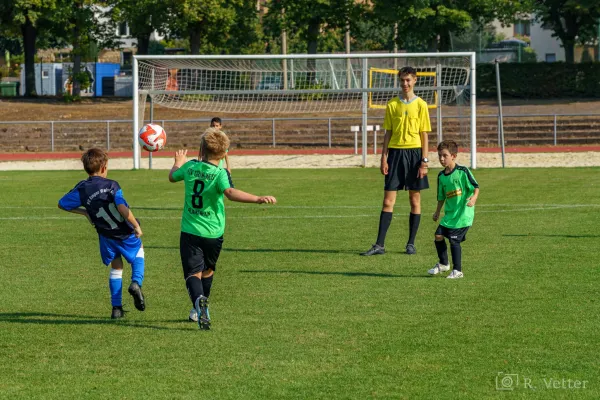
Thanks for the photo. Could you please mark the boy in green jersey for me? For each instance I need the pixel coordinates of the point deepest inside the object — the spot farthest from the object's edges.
(203, 219)
(458, 189)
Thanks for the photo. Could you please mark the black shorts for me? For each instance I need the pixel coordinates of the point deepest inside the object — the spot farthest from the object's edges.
(403, 167)
(198, 253)
(453, 235)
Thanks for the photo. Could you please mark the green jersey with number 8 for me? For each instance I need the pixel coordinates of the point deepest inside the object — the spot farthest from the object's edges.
(203, 209)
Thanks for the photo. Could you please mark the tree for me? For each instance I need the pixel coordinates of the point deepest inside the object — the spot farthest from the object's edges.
(205, 22)
(572, 21)
(143, 17)
(311, 19)
(24, 18)
(428, 24)
(79, 24)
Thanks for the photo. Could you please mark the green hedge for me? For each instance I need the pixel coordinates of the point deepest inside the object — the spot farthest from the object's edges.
(540, 80)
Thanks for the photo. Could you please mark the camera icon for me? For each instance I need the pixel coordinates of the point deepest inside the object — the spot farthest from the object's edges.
(507, 381)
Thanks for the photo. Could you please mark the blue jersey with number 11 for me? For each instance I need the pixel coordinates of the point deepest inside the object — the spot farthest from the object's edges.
(100, 197)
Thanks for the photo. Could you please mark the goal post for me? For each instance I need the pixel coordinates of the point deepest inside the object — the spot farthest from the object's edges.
(272, 85)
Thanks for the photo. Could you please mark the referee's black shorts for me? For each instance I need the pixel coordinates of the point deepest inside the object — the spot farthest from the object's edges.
(403, 167)
(198, 253)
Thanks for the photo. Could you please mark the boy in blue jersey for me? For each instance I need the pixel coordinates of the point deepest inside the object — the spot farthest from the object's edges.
(118, 230)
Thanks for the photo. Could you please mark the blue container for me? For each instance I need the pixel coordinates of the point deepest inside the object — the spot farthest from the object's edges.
(104, 70)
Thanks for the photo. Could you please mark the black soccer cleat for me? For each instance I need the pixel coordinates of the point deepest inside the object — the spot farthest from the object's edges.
(411, 249)
(117, 312)
(201, 307)
(374, 250)
(138, 297)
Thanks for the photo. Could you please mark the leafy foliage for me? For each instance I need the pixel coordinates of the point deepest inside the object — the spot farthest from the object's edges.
(572, 21)
(427, 24)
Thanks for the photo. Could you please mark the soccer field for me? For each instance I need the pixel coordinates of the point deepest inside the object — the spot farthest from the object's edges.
(296, 312)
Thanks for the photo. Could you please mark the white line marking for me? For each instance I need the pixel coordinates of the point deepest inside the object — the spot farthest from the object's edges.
(180, 207)
(556, 207)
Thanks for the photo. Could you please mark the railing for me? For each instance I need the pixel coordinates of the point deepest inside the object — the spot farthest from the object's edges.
(320, 123)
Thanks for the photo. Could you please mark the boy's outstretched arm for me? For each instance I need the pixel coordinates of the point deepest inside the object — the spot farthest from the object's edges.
(128, 215)
(80, 211)
(180, 159)
(243, 197)
(473, 199)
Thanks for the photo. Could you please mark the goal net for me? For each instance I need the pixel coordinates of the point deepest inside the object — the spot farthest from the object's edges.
(279, 85)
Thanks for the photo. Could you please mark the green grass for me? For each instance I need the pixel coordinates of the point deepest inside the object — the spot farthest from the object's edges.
(296, 312)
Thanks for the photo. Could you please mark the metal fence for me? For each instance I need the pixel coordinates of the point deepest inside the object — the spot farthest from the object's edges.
(326, 131)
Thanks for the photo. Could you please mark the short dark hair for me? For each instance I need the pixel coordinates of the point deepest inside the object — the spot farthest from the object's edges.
(407, 70)
(449, 145)
(217, 120)
(93, 160)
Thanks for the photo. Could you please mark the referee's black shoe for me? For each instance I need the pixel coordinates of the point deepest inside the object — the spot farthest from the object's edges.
(411, 249)
(374, 250)
(138, 297)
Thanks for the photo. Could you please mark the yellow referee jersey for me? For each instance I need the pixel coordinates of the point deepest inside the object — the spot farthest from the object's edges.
(406, 121)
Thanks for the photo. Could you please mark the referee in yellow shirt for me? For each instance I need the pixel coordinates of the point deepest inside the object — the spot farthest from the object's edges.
(404, 158)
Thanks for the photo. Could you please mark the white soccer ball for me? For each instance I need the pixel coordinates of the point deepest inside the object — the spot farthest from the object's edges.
(152, 137)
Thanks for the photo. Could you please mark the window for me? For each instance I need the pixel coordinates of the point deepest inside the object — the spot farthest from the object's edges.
(45, 74)
(123, 29)
(550, 57)
(127, 58)
(522, 28)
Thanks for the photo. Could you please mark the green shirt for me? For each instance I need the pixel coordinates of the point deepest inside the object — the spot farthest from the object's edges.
(203, 209)
(456, 188)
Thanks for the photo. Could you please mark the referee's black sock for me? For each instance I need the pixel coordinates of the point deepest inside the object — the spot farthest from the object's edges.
(413, 226)
(442, 250)
(385, 219)
(456, 251)
(207, 284)
(194, 288)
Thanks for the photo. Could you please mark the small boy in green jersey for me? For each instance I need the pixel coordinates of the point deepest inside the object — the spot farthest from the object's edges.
(458, 189)
(203, 219)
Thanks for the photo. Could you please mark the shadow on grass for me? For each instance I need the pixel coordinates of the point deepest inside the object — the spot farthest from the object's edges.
(350, 274)
(68, 319)
(558, 236)
(158, 208)
(322, 251)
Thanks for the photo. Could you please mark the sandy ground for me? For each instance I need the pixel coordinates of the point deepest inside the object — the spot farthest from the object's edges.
(484, 160)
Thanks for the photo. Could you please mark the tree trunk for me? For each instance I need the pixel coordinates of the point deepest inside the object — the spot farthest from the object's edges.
(76, 70)
(445, 42)
(143, 43)
(29, 36)
(195, 38)
(569, 45)
(76, 59)
(433, 44)
(312, 34)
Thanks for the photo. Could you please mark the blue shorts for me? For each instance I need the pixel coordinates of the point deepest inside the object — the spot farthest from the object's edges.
(130, 248)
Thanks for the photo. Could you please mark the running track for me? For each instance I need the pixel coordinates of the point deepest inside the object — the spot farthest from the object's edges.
(278, 152)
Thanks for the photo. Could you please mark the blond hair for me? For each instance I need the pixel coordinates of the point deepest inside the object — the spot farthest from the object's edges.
(214, 143)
